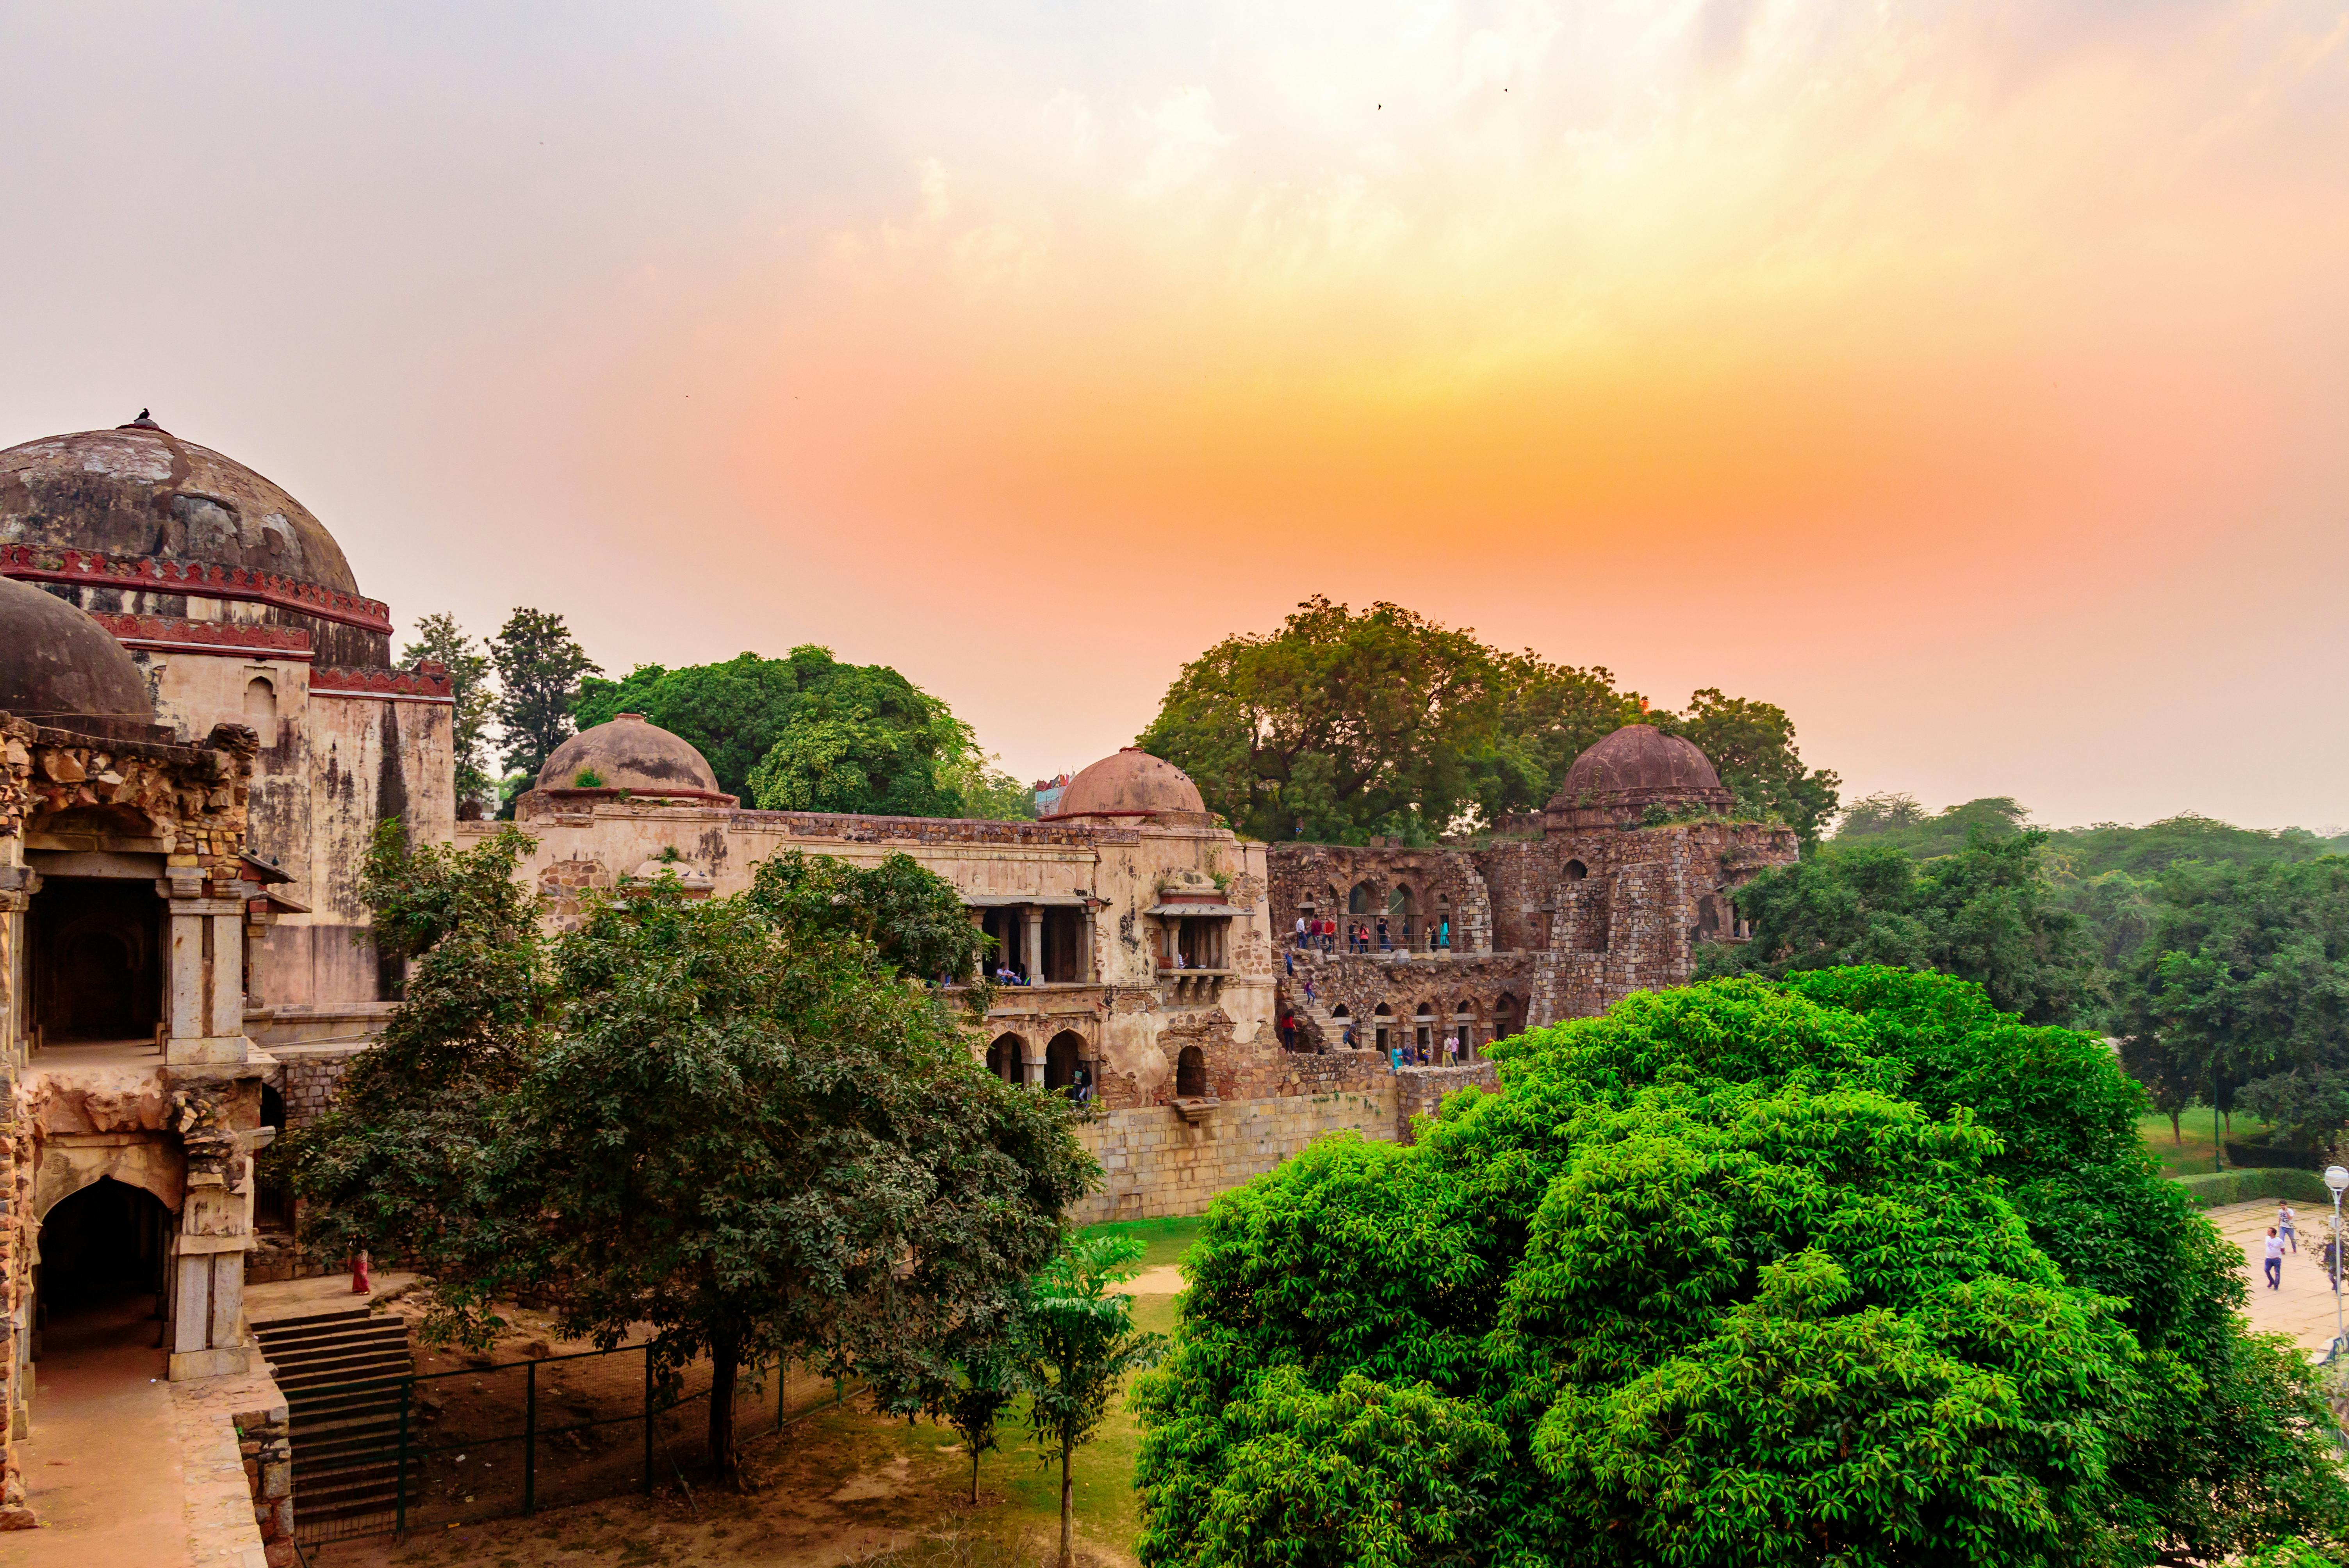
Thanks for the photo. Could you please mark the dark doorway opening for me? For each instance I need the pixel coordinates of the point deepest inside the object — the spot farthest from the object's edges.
(97, 961)
(1003, 1058)
(273, 1201)
(100, 1245)
(1190, 1073)
(1061, 1055)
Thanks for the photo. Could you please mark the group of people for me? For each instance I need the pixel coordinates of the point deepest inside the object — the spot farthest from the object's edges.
(1321, 935)
(1402, 1053)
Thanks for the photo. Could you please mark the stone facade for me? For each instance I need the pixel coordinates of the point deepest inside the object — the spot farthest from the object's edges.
(136, 844)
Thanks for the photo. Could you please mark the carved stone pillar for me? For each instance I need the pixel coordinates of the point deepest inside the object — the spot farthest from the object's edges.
(1035, 940)
(204, 978)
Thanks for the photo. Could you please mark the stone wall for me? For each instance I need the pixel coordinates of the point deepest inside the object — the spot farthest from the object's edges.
(1419, 1091)
(1157, 1165)
(1439, 885)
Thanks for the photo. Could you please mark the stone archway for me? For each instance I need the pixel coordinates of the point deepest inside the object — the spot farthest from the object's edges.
(104, 1240)
(1191, 1074)
(1006, 1058)
(1062, 1055)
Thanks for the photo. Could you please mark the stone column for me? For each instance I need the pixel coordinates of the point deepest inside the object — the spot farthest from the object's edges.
(1035, 939)
(205, 978)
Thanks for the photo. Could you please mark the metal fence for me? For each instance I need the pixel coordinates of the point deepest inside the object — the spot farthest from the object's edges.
(488, 1442)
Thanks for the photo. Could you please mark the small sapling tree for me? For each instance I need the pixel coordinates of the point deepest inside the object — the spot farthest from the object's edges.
(983, 1386)
(1079, 1342)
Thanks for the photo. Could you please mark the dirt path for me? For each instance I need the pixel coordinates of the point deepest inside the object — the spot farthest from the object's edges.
(102, 1467)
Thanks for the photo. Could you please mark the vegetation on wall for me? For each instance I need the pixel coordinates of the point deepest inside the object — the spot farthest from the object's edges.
(1341, 727)
(1847, 1268)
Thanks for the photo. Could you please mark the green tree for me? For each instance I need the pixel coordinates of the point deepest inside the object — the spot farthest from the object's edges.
(1545, 717)
(913, 918)
(725, 1118)
(983, 1384)
(1985, 914)
(2244, 974)
(1751, 746)
(1850, 1268)
(808, 733)
(439, 637)
(540, 665)
(1336, 727)
(391, 1166)
(1079, 1342)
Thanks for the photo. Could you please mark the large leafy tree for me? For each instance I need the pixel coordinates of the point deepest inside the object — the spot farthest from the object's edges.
(540, 665)
(1985, 914)
(2244, 977)
(1850, 1268)
(738, 1121)
(808, 733)
(1335, 727)
(1341, 727)
(439, 637)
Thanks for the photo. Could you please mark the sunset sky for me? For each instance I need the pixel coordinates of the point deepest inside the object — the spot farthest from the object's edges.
(1971, 380)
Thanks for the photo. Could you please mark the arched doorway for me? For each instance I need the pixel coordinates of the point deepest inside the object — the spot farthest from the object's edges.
(1190, 1073)
(1003, 1059)
(1062, 1055)
(273, 1204)
(102, 1270)
(1401, 907)
(1423, 1025)
(1463, 1029)
(1382, 1025)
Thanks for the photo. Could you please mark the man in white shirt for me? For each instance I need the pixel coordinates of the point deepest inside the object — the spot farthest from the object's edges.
(2275, 1260)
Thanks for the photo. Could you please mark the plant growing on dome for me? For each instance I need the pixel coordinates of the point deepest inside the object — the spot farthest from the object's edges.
(586, 779)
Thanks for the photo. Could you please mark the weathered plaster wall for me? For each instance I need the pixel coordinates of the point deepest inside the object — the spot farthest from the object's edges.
(1156, 1164)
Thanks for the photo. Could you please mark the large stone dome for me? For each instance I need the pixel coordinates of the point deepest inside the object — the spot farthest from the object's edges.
(632, 755)
(1640, 765)
(58, 667)
(1133, 784)
(141, 491)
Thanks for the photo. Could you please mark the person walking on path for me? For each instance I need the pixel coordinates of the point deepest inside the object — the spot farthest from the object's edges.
(2275, 1260)
(2283, 1222)
(1383, 939)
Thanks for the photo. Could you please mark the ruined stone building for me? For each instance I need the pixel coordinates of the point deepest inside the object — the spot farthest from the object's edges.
(1636, 862)
(203, 728)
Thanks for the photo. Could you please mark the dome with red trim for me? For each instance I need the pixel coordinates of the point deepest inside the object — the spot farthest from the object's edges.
(1133, 785)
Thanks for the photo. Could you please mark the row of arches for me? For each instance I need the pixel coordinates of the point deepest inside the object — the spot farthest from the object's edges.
(1424, 1030)
(1012, 1059)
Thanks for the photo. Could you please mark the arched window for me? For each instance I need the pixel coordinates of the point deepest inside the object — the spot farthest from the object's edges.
(1003, 1058)
(1190, 1073)
(1708, 917)
(1422, 1023)
(1576, 870)
(1382, 1026)
(261, 709)
(1340, 1011)
(1358, 900)
(1062, 1055)
(1508, 1016)
(1463, 1029)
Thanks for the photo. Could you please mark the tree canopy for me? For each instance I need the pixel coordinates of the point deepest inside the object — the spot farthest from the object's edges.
(738, 1121)
(807, 733)
(1984, 913)
(1850, 1268)
(439, 637)
(540, 668)
(2244, 978)
(1340, 726)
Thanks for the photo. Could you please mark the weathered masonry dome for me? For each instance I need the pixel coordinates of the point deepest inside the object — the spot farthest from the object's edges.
(57, 664)
(134, 521)
(632, 755)
(140, 491)
(1133, 784)
(1640, 765)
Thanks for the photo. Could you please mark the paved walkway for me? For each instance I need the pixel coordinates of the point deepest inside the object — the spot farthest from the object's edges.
(318, 1294)
(102, 1467)
(2303, 1308)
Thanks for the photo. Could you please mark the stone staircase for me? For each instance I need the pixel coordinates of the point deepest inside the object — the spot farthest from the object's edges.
(342, 1374)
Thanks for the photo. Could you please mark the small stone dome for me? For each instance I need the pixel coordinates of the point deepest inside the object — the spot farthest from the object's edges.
(1640, 765)
(632, 755)
(58, 666)
(138, 490)
(1133, 784)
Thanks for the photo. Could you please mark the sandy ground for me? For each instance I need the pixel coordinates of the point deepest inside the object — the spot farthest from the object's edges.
(102, 1466)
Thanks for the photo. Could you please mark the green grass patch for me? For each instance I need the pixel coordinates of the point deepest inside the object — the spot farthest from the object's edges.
(1164, 1241)
(2189, 1151)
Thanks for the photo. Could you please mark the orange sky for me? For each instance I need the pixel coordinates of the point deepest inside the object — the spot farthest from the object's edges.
(1970, 380)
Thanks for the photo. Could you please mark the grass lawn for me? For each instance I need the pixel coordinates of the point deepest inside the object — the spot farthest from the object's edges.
(2194, 1155)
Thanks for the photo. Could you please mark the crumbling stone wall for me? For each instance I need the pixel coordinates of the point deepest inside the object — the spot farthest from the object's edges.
(1318, 881)
(1498, 988)
(1419, 1091)
(1157, 1164)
